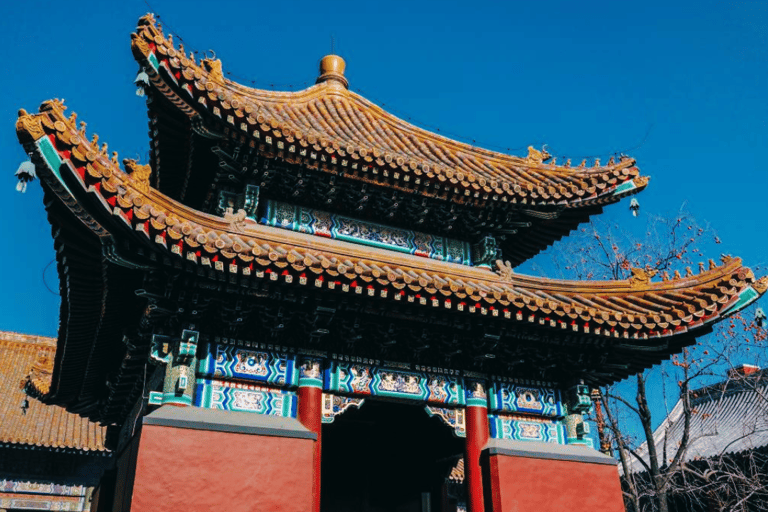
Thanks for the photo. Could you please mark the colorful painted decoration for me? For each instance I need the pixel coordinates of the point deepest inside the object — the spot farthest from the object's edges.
(311, 372)
(477, 395)
(228, 362)
(454, 418)
(333, 405)
(362, 379)
(229, 396)
(522, 398)
(526, 429)
(315, 222)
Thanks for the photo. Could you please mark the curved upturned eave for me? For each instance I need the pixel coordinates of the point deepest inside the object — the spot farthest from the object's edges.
(382, 140)
(256, 251)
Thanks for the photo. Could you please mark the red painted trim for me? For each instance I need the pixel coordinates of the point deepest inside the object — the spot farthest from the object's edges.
(310, 414)
(477, 437)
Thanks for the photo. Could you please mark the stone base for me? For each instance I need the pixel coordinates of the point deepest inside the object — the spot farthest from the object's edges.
(198, 460)
(526, 476)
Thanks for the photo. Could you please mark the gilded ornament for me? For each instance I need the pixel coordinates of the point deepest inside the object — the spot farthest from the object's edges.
(29, 127)
(536, 156)
(213, 67)
(761, 285)
(641, 277)
(504, 269)
(139, 173)
(236, 220)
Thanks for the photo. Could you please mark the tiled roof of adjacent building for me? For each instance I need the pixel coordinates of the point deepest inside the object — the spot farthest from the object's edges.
(28, 360)
(729, 417)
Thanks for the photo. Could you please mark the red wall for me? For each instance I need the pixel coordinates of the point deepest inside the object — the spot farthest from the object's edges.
(522, 484)
(202, 471)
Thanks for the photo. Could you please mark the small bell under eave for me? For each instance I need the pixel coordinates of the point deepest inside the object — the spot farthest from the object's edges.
(25, 173)
(141, 81)
(760, 317)
(634, 206)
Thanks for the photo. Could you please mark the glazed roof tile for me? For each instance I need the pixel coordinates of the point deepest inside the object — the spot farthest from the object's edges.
(731, 417)
(632, 309)
(25, 361)
(333, 121)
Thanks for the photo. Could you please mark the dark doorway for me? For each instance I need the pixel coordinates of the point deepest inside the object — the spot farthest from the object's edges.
(386, 456)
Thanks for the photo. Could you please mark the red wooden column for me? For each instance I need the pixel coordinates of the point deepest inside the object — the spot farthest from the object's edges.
(310, 415)
(477, 437)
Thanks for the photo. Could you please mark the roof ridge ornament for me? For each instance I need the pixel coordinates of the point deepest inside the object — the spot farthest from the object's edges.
(213, 66)
(504, 269)
(332, 70)
(641, 277)
(536, 156)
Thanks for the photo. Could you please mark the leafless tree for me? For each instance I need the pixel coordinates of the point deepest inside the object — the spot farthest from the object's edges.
(663, 477)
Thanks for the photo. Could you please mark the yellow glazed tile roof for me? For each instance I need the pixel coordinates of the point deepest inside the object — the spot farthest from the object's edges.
(28, 360)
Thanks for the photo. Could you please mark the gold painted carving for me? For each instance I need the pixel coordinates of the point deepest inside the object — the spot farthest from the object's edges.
(213, 67)
(504, 269)
(761, 285)
(236, 220)
(536, 156)
(29, 127)
(139, 173)
(641, 277)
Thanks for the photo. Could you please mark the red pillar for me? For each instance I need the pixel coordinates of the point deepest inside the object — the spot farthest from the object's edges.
(477, 437)
(310, 414)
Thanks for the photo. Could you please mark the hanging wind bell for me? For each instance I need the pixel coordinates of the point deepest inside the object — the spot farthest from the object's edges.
(141, 81)
(25, 173)
(760, 317)
(634, 206)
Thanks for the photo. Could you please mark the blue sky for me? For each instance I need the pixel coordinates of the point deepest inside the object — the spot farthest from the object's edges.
(681, 86)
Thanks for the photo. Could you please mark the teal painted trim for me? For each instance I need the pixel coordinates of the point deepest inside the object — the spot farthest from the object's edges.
(746, 297)
(627, 186)
(155, 398)
(528, 430)
(153, 61)
(310, 382)
(53, 160)
(174, 399)
(477, 402)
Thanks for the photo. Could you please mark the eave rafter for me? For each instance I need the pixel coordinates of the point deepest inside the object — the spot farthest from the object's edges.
(243, 249)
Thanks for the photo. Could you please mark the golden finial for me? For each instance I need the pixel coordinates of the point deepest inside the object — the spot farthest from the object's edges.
(583, 164)
(82, 129)
(181, 49)
(701, 267)
(688, 272)
(95, 140)
(677, 274)
(170, 40)
(104, 148)
(568, 163)
(597, 162)
(332, 70)
(611, 161)
(114, 157)
(712, 264)
(73, 119)
(665, 276)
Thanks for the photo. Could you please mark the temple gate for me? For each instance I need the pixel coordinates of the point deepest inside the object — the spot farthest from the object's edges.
(289, 263)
